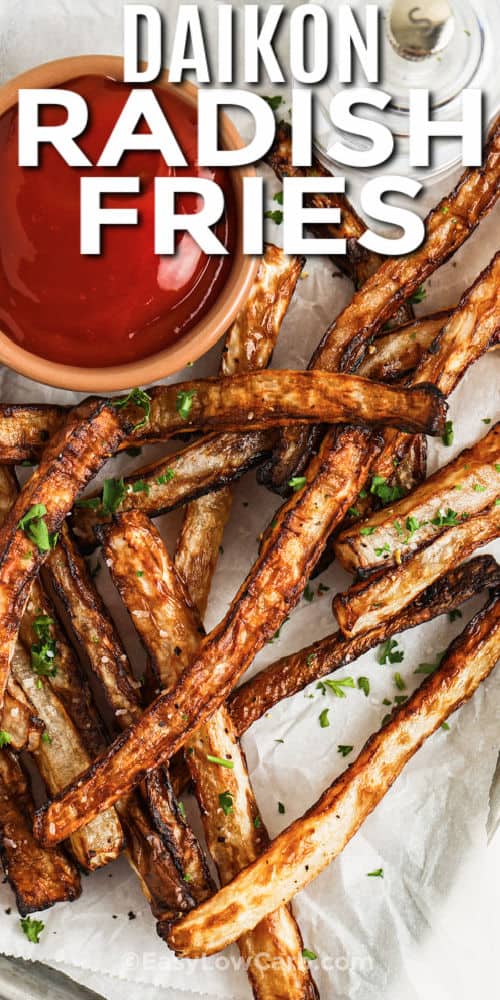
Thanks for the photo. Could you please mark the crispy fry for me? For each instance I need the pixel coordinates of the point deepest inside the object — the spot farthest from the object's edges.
(303, 850)
(466, 485)
(26, 428)
(290, 674)
(90, 435)
(342, 346)
(170, 866)
(170, 630)
(274, 398)
(205, 465)
(39, 878)
(395, 354)
(368, 603)
(200, 542)
(61, 759)
(272, 588)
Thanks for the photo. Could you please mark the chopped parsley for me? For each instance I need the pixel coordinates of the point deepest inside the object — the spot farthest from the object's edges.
(278, 197)
(43, 652)
(384, 548)
(445, 726)
(387, 494)
(35, 528)
(454, 614)
(5, 738)
(32, 928)
(276, 216)
(354, 512)
(377, 873)
(138, 398)
(336, 686)
(366, 531)
(274, 102)
(323, 719)
(46, 738)
(278, 631)
(184, 402)
(429, 668)
(478, 488)
(297, 483)
(399, 682)
(486, 420)
(364, 685)
(442, 520)
(220, 760)
(89, 502)
(418, 295)
(344, 749)
(257, 822)
(166, 477)
(448, 433)
(310, 955)
(310, 658)
(389, 653)
(226, 802)
(281, 808)
(308, 593)
(182, 809)
(113, 494)
(140, 486)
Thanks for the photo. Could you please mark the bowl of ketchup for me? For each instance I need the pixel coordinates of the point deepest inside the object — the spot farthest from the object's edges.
(127, 316)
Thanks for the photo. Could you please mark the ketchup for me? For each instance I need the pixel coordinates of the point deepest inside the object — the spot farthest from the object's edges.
(127, 303)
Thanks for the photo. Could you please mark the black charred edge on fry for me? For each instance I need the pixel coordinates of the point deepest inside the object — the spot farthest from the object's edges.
(155, 777)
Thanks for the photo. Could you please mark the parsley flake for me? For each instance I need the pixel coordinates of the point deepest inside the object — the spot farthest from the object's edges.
(220, 760)
(226, 802)
(32, 929)
(184, 402)
(344, 749)
(389, 653)
(139, 398)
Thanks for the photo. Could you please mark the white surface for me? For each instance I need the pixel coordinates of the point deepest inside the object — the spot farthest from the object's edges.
(428, 929)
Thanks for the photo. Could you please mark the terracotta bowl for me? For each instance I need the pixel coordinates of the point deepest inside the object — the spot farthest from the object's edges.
(205, 333)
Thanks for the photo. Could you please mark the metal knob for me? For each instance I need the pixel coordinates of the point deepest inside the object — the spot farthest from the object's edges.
(418, 30)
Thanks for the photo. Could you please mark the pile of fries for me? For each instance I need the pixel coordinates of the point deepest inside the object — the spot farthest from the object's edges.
(344, 443)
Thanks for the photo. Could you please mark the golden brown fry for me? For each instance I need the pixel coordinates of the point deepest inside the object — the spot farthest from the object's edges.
(272, 588)
(250, 342)
(343, 345)
(26, 428)
(368, 603)
(395, 354)
(205, 465)
(169, 627)
(274, 398)
(290, 674)
(466, 485)
(171, 866)
(90, 435)
(200, 541)
(39, 878)
(303, 850)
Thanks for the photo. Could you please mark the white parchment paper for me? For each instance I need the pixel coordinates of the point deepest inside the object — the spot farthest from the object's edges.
(429, 928)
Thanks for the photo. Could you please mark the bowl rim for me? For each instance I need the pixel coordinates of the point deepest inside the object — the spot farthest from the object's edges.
(206, 332)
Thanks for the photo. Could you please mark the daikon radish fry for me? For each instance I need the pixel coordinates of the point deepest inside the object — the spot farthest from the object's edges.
(94, 632)
(19, 720)
(169, 627)
(368, 603)
(312, 842)
(60, 758)
(200, 542)
(25, 429)
(466, 485)
(395, 354)
(39, 878)
(90, 435)
(290, 674)
(250, 341)
(179, 875)
(275, 398)
(203, 466)
(271, 590)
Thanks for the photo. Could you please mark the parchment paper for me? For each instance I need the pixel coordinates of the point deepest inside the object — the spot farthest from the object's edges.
(429, 928)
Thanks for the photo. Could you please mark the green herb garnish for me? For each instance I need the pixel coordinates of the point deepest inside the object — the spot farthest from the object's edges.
(139, 398)
(323, 718)
(364, 685)
(35, 528)
(297, 483)
(344, 749)
(448, 433)
(220, 760)
(184, 402)
(226, 802)
(113, 494)
(389, 653)
(32, 928)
